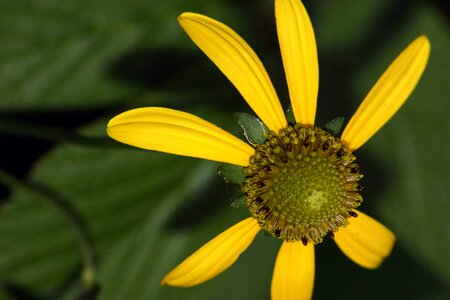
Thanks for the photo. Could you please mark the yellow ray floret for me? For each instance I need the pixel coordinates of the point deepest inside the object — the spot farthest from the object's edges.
(215, 256)
(365, 241)
(293, 275)
(299, 53)
(176, 132)
(231, 54)
(388, 94)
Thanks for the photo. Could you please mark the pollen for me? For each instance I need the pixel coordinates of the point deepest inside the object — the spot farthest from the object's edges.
(302, 184)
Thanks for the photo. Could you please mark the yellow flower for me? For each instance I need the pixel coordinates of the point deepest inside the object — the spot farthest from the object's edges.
(288, 148)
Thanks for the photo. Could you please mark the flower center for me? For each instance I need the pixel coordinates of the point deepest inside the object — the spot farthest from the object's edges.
(302, 184)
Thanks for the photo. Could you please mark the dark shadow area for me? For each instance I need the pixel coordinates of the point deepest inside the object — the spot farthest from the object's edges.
(444, 6)
(26, 136)
(338, 68)
(18, 155)
(150, 67)
(199, 207)
(376, 179)
(339, 277)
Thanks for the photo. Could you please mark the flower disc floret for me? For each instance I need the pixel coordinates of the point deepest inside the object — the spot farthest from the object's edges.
(302, 184)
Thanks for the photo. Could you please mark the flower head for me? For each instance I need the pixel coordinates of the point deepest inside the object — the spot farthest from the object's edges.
(302, 183)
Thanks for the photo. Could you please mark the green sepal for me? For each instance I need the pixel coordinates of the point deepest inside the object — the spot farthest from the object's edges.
(238, 202)
(237, 197)
(231, 173)
(290, 118)
(335, 126)
(254, 130)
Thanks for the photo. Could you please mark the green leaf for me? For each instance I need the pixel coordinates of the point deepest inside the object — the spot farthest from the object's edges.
(335, 125)
(113, 189)
(79, 54)
(254, 130)
(139, 264)
(132, 202)
(290, 115)
(239, 202)
(231, 173)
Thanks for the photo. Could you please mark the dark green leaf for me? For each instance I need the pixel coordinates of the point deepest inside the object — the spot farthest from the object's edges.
(82, 54)
(231, 173)
(254, 129)
(239, 202)
(141, 261)
(335, 125)
(290, 115)
(114, 190)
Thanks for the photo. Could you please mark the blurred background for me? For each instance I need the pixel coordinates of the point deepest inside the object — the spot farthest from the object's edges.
(83, 217)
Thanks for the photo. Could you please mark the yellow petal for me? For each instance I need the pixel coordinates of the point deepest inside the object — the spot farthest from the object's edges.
(176, 132)
(388, 94)
(299, 53)
(365, 241)
(293, 276)
(215, 256)
(239, 63)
